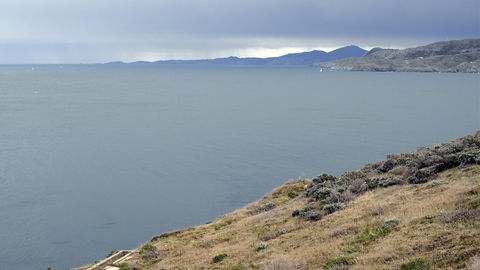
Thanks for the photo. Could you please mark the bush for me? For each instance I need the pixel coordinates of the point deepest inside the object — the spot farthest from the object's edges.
(417, 264)
(262, 246)
(460, 215)
(358, 186)
(332, 207)
(271, 235)
(371, 234)
(322, 193)
(349, 177)
(387, 165)
(377, 211)
(391, 223)
(292, 194)
(324, 178)
(390, 181)
(311, 215)
(219, 258)
(414, 180)
(308, 213)
(147, 247)
(347, 196)
(267, 206)
(340, 261)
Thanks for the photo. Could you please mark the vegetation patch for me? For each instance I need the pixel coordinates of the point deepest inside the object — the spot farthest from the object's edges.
(391, 223)
(262, 246)
(371, 234)
(271, 235)
(219, 258)
(415, 168)
(147, 247)
(460, 215)
(222, 224)
(308, 213)
(332, 207)
(165, 235)
(340, 261)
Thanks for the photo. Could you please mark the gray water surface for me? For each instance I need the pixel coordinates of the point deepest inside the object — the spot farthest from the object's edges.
(96, 158)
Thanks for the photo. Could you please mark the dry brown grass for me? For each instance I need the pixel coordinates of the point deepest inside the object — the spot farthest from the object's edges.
(297, 244)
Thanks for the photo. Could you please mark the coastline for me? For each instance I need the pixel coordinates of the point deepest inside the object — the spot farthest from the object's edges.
(278, 228)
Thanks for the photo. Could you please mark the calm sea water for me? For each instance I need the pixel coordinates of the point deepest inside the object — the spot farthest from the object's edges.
(96, 158)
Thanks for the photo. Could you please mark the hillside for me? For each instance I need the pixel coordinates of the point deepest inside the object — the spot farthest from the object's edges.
(444, 56)
(419, 210)
(293, 59)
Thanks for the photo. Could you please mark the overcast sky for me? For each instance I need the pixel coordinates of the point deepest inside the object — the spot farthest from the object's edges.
(90, 31)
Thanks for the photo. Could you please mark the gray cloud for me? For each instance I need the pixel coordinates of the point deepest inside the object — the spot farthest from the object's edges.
(103, 30)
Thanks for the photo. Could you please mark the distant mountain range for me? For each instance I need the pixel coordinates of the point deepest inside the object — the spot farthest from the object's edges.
(292, 59)
(444, 56)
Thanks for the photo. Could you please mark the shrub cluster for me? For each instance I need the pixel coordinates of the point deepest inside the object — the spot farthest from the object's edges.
(413, 168)
(308, 213)
(419, 166)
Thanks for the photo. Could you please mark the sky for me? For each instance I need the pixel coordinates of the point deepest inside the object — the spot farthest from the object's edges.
(96, 31)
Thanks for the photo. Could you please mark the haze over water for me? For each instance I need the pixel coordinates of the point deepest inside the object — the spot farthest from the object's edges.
(95, 158)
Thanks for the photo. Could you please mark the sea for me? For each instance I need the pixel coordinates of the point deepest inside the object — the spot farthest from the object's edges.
(95, 158)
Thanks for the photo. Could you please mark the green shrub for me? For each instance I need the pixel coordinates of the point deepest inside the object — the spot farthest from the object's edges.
(386, 166)
(372, 183)
(417, 264)
(147, 247)
(415, 180)
(219, 258)
(332, 207)
(322, 193)
(311, 215)
(267, 206)
(324, 178)
(340, 261)
(391, 223)
(308, 213)
(372, 234)
(292, 194)
(262, 246)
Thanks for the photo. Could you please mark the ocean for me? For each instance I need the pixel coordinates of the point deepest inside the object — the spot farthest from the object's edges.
(95, 158)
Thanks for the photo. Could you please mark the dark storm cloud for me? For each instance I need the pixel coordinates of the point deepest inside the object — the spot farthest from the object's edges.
(89, 30)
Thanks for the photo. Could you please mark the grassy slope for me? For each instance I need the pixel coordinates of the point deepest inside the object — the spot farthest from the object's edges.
(429, 229)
